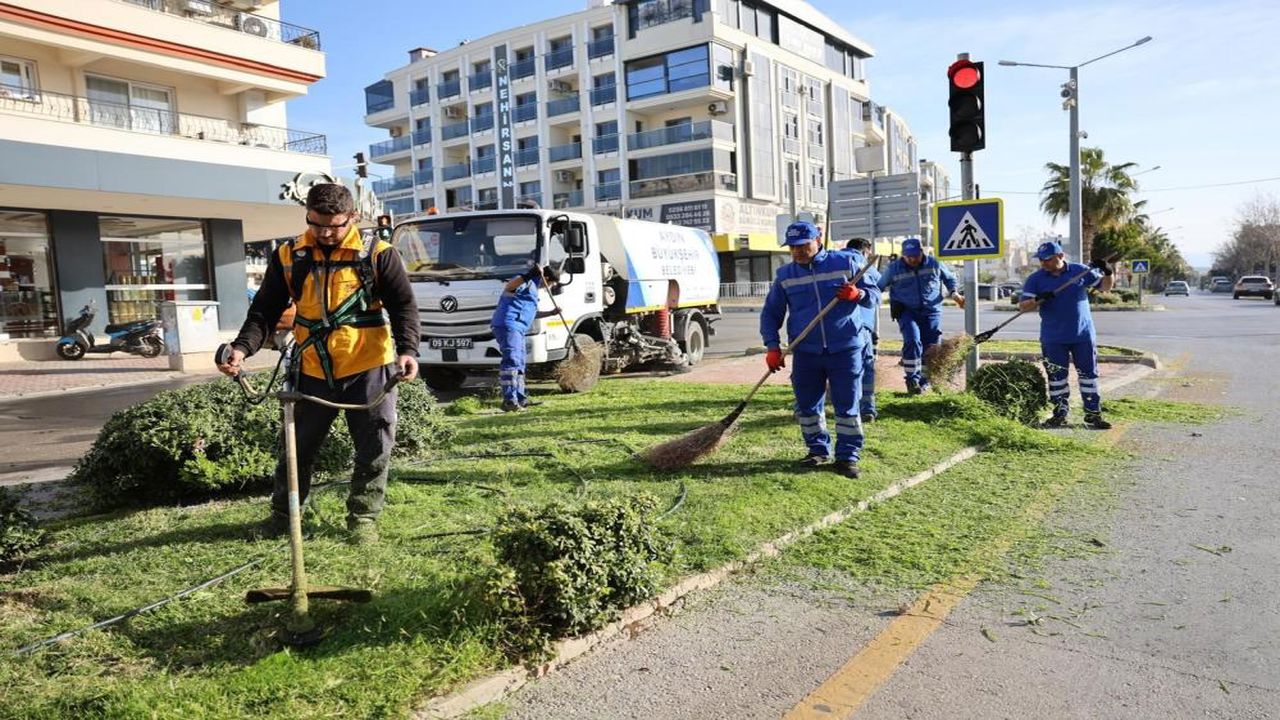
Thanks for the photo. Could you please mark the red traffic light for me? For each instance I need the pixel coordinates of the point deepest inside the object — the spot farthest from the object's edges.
(964, 74)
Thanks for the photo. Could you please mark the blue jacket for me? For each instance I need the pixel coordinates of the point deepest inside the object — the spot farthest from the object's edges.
(867, 315)
(516, 309)
(1064, 318)
(920, 287)
(798, 294)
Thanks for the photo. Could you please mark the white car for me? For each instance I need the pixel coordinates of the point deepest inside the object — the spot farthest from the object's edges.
(1177, 287)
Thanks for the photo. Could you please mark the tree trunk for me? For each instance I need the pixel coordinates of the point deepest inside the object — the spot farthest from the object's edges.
(1086, 241)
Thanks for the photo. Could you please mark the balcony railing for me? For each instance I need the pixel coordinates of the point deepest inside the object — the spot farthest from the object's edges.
(604, 95)
(535, 198)
(75, 109)
(604, 144)
(448, 88)
(676, 184)
(425, 176)
(480, 123)
(790, 146)
(395, 184)
(422, 137)
(522, 113)
(557, 59)
(388, 147)
(745, 289)
(684, 132)
(523, 68)
(419, 96)
(563, 106)
(567, 200)
(487, 204)
(600, 48)
(660, 12)
(570, 151)
(609, 191)
(456, 130)
(484, 165)
(480, 80)
(816, 152)
(454, 172)
(403, 206)
(213, 13)
(527, 156)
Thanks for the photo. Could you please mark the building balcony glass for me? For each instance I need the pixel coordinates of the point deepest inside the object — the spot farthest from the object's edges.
(570, 151)
(604, 95)
(651, 13)
(609, 191)
(389, 147)
(480, 123)
(395, 184)
(403, 206)
(567, 200)
(691, 182)
(522, 113)
(527, 156)
(484, 165)
(486, 205)
(421, 96)
(535, 198)
(563, 106)
(685, 132)
(456, 130)
(557, 59)
(480, 80)
(425, 176)
(600, 48)
(448, 89)
(454, 172)
(523, 68)
(604, 144)
(422, 137)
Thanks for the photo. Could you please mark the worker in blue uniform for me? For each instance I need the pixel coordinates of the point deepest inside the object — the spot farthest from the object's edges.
(1066, 328)
(830, 354)
(859, 248)
(516, 310)
(915, 283)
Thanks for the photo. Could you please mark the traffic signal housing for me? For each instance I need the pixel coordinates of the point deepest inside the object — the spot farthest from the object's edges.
(383, 230)
(362, 167)
(968, 111)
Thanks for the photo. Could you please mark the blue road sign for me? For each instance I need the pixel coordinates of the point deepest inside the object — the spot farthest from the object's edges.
(1141, 266)
(968, 229)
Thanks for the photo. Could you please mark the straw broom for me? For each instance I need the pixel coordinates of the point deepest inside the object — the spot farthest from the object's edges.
(943, 360)
(694, 445)
(581, 370)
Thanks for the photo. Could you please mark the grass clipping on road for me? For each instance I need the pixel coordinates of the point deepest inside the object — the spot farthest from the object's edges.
(429, 627)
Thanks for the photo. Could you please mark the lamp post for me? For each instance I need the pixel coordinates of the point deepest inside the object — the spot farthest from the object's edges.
(1071, 101)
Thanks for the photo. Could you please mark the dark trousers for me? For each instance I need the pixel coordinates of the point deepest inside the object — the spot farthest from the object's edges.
(373, 432)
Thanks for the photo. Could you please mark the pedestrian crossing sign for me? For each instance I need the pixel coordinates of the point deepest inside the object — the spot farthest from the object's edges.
(968, 229)
(1141, 266)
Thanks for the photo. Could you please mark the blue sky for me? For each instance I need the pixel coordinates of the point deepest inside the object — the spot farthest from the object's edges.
(1202, 100)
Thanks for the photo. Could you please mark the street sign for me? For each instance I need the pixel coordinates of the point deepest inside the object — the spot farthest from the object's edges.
(874, 207)
(968, 229)
(1140, 267)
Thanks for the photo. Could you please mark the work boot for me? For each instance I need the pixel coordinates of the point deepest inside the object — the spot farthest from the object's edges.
(1056, 420)
(813, 461)
(509, 406)
(362, 531)
(868, 418)
(925, 387)
(847, 468)
(275, 526)
(1095, 421)
(913, 387)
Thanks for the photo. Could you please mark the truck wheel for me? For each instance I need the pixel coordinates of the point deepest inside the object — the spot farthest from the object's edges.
(694, 343)
(442, 378)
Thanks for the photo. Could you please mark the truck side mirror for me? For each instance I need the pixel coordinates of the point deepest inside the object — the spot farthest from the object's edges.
(574, 243)
(575, 265)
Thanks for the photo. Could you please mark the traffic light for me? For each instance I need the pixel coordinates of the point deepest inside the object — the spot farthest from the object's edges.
(362, 168)
(968, 114)
(383, 231)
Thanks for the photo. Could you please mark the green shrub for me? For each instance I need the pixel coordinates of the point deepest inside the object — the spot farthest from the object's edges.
(18, 531)
(204, 439)
(1105, 298)
(465, 405)
(1129, 295)
(567, 570)
(1015, 389)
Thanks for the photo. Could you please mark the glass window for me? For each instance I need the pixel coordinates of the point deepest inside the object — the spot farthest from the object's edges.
(481, 67)
(379, 96)
(18, 79)
(815, 132)
(129, 105)
(602, 32)
(28, 307)
(525, 53)
(673, 72)
(530, 188)
(149, 260)
(529, 98)
(606, 177)
(604, 80)
(485, 151)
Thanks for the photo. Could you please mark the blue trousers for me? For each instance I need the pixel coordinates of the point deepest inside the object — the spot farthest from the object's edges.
(810, 375)
(920, 328)
(511, 368)
(1057, 357)
(867, 401)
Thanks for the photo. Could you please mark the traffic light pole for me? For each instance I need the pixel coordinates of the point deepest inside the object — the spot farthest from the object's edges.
(970, 273)
(1076, 215)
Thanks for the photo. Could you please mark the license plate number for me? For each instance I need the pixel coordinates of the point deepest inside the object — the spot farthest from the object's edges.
(449, 343)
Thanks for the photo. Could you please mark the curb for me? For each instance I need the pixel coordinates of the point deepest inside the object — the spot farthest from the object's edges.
(1149, 359)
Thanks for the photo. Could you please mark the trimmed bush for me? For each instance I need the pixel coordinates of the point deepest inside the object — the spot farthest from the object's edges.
(1129, 295)
(205, 439)
(18, 531)
(1015, 389)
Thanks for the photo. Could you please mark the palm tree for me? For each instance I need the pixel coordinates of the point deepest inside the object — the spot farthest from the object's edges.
(1104, 191)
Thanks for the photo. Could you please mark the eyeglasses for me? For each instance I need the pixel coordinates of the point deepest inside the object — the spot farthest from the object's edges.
(322, 228)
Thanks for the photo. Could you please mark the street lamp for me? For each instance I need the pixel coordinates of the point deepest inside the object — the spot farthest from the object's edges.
(1144, 172)
(1071, 101)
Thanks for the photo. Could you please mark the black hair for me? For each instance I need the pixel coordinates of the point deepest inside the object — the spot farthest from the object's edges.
(859, 244)
(330, 199)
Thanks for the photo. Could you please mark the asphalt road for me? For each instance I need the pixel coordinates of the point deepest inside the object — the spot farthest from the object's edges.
(1163, 627)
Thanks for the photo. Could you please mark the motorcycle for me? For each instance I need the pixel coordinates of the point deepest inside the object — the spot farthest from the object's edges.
(140, 337)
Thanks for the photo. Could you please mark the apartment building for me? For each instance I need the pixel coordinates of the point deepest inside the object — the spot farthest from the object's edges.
(144, 141)
(688, 111)
(935, 187)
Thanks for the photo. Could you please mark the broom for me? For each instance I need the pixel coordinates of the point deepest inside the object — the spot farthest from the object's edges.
(943, 360)
(986, 335)
(581, 370)
(697, 444)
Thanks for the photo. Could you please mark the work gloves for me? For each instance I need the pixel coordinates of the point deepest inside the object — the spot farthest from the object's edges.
(849, 292)
(1042, 297)
(774, 360)
(1102, 265)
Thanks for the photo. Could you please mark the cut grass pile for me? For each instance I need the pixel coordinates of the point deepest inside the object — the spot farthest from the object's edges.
(891, 341)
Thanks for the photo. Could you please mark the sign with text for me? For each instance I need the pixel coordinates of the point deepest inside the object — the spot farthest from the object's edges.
(874, 207)
(695, 214)
(506, 143)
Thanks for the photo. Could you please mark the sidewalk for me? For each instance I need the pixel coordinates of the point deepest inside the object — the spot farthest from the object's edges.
(35, 378)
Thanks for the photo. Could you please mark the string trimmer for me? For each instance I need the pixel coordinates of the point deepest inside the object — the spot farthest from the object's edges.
(986, 334)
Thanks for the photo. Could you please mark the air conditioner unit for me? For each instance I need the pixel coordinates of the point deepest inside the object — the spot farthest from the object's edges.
(564, 176)
(718, 107)
(452, 113)
(397, 132)
(748, 68)
(728, 181)
(559, 86)
(254, 25)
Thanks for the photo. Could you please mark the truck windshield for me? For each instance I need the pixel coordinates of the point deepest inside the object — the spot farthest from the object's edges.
(468, 247)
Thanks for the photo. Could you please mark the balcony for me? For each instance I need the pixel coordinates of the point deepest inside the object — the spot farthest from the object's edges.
(524, 113)
(791, 146)
(395, 184)
(484, 165)
(403, 206)
(604, 144)
(448, 89)
(535, 198)
(567, 200)
(486, 204)
(83, 111)
(660, 12)
(817, 152)
(526, 157)
(213, 13)
(425, 176)
(455, 172)
(523, 68)
(456, 130)
(480, 123)
(480, 80)
(389, 147)
(604, 95)
(675, 134)
(676, 184)
(557, 59)
(419, 96)
(422, 137)
(600, 48)
(564, 106)
(609, 191)
(558, 153)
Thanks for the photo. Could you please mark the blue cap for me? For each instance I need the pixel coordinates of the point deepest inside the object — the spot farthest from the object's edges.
(1048, 249)
(911, 246)
(799, 233)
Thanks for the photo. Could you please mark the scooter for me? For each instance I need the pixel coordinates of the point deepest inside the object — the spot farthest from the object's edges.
(140, 337)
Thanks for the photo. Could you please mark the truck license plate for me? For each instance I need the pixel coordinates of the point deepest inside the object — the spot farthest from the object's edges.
(449, 343)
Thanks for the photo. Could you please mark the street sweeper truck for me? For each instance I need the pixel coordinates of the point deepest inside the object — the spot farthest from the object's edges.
(632, 292)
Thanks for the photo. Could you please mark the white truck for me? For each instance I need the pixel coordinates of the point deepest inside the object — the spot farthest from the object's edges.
(645, 292)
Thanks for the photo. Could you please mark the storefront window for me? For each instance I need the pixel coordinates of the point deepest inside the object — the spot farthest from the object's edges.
(27, 305)
(150, 260)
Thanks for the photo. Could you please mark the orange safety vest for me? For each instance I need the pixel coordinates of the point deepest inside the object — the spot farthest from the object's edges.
(340, 328)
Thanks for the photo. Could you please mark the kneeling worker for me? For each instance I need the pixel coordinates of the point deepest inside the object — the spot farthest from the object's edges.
(830, 353)
(515, 313)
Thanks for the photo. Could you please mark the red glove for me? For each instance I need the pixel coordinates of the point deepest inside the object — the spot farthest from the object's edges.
(774, 360)
(849, 292)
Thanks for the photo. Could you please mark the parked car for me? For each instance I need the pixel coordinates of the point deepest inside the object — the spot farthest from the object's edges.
(1254, 285)
(1220, 284)
(1177, 287)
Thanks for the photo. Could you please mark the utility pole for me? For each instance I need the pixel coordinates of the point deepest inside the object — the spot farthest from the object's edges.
(1072, 91)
